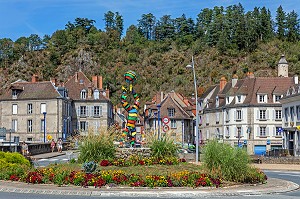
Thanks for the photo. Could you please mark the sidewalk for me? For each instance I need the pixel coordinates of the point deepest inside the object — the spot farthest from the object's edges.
(285, 167)
(271, 187)
(51, 154)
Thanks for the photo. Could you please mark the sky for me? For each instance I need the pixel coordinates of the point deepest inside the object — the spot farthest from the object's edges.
(25, 17)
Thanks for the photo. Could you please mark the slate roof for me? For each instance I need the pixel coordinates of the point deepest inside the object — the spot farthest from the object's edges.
(31, 90)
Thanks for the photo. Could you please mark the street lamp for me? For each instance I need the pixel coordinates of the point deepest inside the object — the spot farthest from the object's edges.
(44, 126)
(158, 120)
(197, 111)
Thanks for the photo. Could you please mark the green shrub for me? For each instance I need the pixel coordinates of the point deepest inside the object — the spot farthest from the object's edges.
(97, 147)
(14, 157)
(232, 163)
(163, 147)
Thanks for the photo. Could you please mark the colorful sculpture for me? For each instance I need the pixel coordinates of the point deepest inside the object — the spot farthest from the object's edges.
(129, 131)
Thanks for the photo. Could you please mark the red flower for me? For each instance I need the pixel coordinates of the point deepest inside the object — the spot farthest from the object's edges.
(99, 183)
(104, 163)
(14, 177)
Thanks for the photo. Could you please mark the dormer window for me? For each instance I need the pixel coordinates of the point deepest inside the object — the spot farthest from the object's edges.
(277, 98)
(238, 99)
(14, 94)
(83, 94)
(217, 101)
(262, 98)
(227, 100)
(171, 112)
(96, 94)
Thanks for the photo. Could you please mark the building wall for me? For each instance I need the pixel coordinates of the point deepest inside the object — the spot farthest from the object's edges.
(53, 118)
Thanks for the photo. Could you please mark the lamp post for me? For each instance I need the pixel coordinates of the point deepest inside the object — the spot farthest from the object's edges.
(158, 120)
(66, 128)
(197, 111)
(44, 126)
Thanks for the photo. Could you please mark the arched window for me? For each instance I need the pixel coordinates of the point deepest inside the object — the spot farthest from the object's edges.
(96, 94)
(83, 94)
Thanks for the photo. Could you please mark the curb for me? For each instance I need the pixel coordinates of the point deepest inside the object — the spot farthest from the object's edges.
(273, 186)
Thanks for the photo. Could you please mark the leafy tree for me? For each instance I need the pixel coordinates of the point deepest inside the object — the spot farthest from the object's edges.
(203, 21)
(164, 28)
(34, 42)
(280, 23)
(119, 24)
(109, 20)
(266, 24)
(6, 50)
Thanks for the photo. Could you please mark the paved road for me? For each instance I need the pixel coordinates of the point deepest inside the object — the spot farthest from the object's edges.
(52, 160)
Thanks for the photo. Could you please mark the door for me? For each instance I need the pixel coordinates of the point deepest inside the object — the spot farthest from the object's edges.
(260, 149)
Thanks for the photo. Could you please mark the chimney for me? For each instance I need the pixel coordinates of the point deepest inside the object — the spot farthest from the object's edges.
(76, 76)
(54, 81)
(100, 87)
(89, 91)
(234, 80)
(250, 75)
(296, 79)
(95, 81)
(161, 96)
(107, 93)
(222, 83)
(34, 78)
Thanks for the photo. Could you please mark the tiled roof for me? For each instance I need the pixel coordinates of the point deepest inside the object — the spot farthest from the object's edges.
(31, 90)
(250, 87)
(77, 83)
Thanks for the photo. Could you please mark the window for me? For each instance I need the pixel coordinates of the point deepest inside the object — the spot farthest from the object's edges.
(262, 131)
(238, 131)
(261, 98)
(14, 109)
(278, 131)
(278, 114)
(227, 100)
(171, 112)
(277, 98)
(42, 125)
(97, 111)
(82, 111)
(286, 114)
(14, 125)
(14, 94)
(43, 108)
(262, 114)
(29, 126)
(29, 108)
(217, 101)
(292, 113)
(217, 118)
(227, 115)
(83, 94)
(83, 126)
(173, 123)
(96, 94)
(239, 115)
(298, 112)
(239, 98)
(227, 132)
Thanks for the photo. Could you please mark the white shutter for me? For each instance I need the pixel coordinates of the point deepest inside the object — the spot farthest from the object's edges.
(87, 126)
(274, 131)
(87, 111)
(242, 132)
(100, 110)
(234, 114)
(207, 134)
(92, 111)
(257, 132)
(78, 111)
(274, 115)
(257, 115)
(267, 114)
(242, 115)
(267, 131)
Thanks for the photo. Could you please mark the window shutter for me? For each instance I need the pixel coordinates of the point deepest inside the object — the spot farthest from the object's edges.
(267, 131)
(274, 131)
(100, 110)
(274, 114)
(87, 126)
(257, 133)
(234, 114)
(235, 131)
(78, 126)
(87, 111)
(257, 115)
(78, 111)
(267, 114)
(207, 134)
(241, 114)
(242, 132)
(92, 111)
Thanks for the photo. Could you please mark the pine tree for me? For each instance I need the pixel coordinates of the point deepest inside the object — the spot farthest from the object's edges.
(292, 24)
(280, 23)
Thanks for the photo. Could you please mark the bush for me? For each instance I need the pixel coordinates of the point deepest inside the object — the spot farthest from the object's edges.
(97, 147)
(15, 158)
(231, 163)
(165, 147)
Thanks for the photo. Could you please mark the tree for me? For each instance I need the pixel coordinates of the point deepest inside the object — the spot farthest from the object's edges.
(203, 21)
(265, 24)
(114, 22)
(119, 24)
(280, 23)
(292, 24)
(34, 42)
(164, 28)
(147, 25)
(6, 50)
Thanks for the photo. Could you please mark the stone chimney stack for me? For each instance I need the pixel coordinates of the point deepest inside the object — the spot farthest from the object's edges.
(283, 67)
(222, 83)
(90, 91)
(34, 78)
(250, 75)
(107, 93)
(234, 80)
(95, 81)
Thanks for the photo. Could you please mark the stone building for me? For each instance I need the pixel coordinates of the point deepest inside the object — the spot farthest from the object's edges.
(246, 112)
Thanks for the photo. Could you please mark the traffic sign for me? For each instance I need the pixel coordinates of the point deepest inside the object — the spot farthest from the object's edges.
(166, 128)
(166, 120)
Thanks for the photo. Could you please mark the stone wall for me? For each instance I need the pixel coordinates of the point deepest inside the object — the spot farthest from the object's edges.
(280, 160)
(126, 152)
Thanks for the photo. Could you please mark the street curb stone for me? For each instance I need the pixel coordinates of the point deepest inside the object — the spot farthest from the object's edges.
(273, 186)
